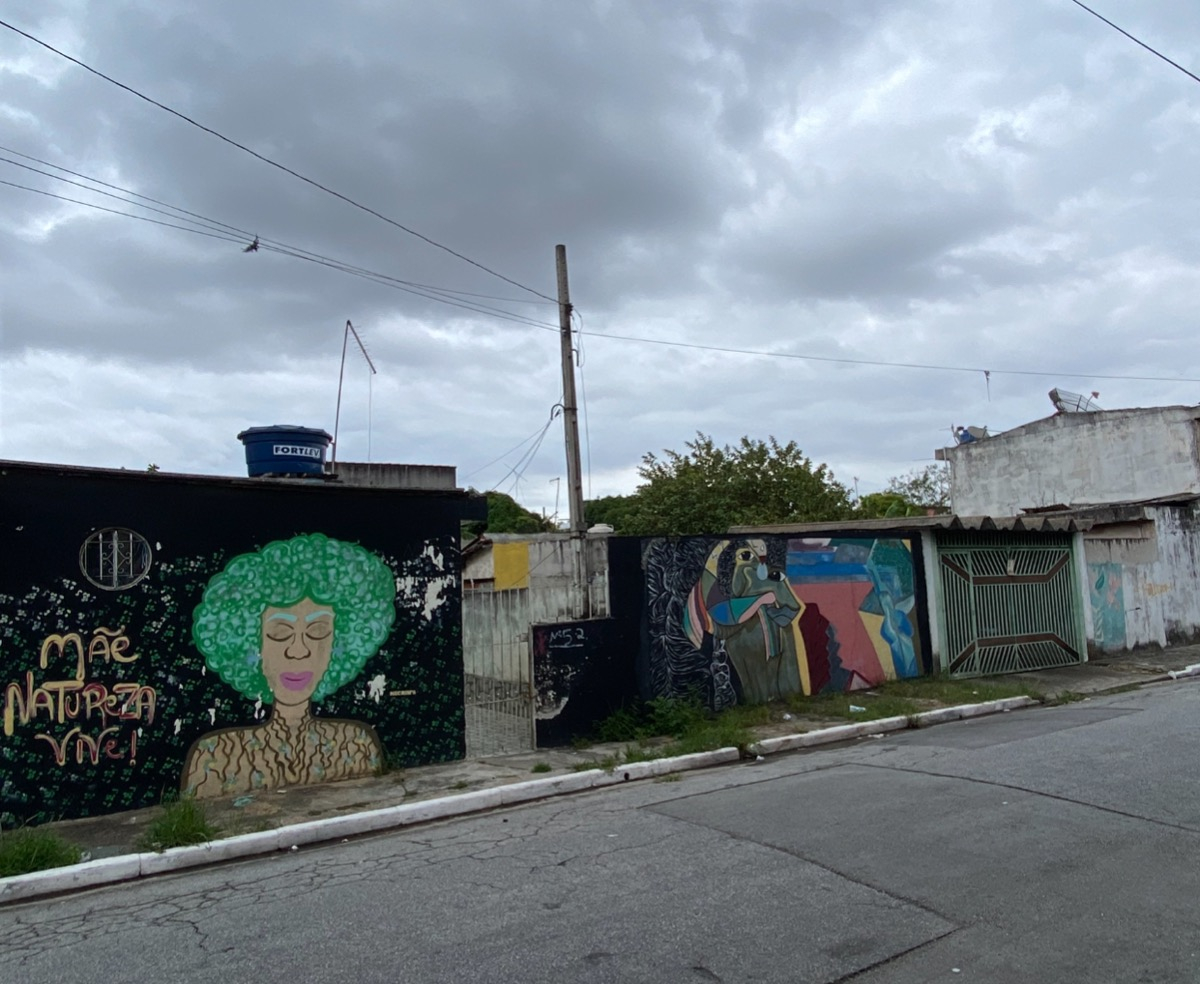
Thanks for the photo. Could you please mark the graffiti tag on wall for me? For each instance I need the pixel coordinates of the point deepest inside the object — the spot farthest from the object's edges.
(755, 619)
(45, 703)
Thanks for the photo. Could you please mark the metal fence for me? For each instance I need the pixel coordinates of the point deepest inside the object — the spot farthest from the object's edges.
(498, 672)
(1008, 603)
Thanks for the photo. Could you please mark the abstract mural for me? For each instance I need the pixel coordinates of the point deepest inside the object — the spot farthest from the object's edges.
(754, 619)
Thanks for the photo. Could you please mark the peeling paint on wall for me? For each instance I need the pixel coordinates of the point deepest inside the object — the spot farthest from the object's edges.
(1107, 594)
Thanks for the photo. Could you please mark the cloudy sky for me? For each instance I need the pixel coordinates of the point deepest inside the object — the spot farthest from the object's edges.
(1001, 185)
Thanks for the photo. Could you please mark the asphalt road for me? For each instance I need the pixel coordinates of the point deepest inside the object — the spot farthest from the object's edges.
(1048, 845)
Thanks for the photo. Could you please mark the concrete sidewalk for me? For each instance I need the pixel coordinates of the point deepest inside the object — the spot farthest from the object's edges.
(327, 808)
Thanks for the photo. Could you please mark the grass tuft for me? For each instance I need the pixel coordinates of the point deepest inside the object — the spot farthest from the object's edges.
(182, 822)
(32, 849)
(541, 767)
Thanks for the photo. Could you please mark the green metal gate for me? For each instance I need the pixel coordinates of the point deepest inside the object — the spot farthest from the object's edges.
(1009, 602)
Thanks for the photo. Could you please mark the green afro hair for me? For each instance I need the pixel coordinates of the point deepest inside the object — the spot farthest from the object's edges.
(227, 624)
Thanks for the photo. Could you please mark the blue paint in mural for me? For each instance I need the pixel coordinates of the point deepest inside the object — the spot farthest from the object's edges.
(758, 618)
(1107, 591)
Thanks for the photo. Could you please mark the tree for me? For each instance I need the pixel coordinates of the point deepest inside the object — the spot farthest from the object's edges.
(506, 515)
(881, 505)
(618, 511)
(926, 488)
(709, 489)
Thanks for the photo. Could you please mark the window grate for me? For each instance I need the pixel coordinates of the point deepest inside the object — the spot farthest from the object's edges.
(114, 559)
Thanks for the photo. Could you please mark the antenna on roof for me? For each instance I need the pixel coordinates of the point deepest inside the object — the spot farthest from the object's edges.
(350, 330)
(1065, 402)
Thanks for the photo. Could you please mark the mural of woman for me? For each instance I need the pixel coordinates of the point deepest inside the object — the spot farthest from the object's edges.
(288, 626)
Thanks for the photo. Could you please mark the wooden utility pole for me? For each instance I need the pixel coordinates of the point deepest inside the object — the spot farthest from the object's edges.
(577, 524)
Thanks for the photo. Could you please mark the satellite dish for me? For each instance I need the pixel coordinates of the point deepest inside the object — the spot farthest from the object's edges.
(1065, 402)
(969, 435)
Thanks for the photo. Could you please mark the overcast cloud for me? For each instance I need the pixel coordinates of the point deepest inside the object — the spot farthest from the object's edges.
(1004, 186)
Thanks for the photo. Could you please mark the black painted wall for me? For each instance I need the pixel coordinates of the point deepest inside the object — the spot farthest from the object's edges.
(66, 754)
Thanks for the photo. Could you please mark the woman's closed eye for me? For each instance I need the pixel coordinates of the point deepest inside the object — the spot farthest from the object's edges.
(318, 631)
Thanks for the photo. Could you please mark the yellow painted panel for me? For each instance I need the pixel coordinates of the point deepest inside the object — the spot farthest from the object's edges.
(510, 564)
(874, 626)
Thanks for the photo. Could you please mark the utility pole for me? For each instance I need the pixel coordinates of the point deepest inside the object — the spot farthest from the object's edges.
(577, 525)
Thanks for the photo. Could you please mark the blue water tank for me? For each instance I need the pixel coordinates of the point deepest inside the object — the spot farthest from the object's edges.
(285, 450)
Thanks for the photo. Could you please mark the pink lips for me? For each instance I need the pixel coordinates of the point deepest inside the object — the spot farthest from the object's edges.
(295, 681)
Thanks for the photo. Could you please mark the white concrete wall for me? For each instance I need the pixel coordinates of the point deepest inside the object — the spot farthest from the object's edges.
(1144, 580)
(1109, 456)
(933, 601)
(496, 623)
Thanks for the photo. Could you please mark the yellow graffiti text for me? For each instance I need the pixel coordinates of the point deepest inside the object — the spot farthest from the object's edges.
(65, 701)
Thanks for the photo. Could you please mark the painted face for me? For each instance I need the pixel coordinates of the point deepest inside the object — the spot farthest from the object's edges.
(296, 644)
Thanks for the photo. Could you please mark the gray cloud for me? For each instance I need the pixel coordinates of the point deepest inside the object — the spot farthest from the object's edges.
(1000, 187)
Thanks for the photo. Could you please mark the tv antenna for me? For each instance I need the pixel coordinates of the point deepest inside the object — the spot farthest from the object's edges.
(337, 417)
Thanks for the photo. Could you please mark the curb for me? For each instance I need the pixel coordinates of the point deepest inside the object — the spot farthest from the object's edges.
(109, 871)
(1187, 671)
(846, 732)
(128, 867)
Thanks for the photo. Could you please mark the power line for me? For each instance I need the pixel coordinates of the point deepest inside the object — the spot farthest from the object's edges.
(499, 457)
(225, 225)
(1157, 54)
(274, 163)
(269, 246)
(526, 459)
(889, 365)
(587, 434)
(386, 281)
(113, 211)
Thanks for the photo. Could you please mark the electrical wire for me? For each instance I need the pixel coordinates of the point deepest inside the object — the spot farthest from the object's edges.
(386, 281)
(499, 457)
(130, 215)
(273, 163)
(267, 245)
(526, 459)
(888, 365)
(1121, 30)
(587, 434)
(225, 225)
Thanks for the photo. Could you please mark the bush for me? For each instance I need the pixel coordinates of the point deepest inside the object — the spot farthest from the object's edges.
(183, 822)
(31, 849)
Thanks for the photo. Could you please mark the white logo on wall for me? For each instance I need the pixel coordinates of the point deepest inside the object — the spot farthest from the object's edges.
(295, 451)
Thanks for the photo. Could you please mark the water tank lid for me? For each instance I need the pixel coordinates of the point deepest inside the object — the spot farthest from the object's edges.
(312, 432)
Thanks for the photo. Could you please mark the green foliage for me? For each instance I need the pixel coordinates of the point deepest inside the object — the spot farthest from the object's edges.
(691, 726)
(506, 515)
(541, 767)
(182, 822)
(654, 719)
(884, 505)
(618, 511)
(33, 849)
(904, 698)
(709, 489)
(926, 488)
